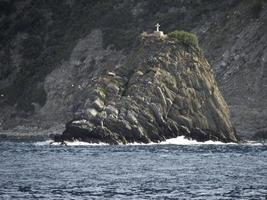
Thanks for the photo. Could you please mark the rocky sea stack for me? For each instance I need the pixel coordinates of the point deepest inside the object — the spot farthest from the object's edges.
(165, 89)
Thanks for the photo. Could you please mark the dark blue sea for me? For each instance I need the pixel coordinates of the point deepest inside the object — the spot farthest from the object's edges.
(36, 170)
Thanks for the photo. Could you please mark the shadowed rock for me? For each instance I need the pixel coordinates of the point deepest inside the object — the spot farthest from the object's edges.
(260, 136)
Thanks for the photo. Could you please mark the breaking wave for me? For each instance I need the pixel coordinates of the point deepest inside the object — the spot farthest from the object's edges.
(75, 143)
(180, 140)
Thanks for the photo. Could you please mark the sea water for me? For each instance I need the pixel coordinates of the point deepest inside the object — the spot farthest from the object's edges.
(176, 169)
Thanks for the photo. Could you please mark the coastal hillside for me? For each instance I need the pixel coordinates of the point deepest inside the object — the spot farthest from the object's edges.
(44, 45)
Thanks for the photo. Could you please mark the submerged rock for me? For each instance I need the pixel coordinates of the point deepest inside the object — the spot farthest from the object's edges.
(165, 89)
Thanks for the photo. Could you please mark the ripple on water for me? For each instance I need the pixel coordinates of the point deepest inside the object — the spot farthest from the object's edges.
(169, 170)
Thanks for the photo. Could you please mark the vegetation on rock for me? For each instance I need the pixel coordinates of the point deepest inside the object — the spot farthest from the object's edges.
(185, 38)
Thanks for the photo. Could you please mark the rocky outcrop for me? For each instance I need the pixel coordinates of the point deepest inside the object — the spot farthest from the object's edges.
(163, 90)
(41, 41)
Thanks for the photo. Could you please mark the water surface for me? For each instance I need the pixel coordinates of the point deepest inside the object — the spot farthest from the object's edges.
(30, 170)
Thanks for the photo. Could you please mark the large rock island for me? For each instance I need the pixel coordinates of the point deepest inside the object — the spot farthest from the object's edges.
(165, 89)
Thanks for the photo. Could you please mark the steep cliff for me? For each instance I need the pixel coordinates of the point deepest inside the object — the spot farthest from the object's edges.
(39, 41)
(164, 89)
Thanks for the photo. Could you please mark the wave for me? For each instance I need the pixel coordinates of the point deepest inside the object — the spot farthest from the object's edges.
(180, 140)
(75, 143)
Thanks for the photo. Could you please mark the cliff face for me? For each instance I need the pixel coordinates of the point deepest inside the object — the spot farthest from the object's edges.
(41, 42)
(237, 51)
(163, 89)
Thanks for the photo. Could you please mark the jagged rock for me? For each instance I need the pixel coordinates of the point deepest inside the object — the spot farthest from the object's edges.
(131, 118)
(111, 110)
(48, 67)
(98, 105)
(172, 97)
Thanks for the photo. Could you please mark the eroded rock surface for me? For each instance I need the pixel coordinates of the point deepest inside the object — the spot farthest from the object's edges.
(162, 90)
(44, 47)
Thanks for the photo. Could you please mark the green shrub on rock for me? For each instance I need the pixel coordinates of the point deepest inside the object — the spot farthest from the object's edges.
(185, 37)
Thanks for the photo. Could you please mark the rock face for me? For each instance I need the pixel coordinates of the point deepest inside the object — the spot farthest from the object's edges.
(45, 53)
(164, 89)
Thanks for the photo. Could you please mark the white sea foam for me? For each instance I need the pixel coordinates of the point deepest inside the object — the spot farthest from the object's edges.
(75, 143)
(79, 143)
(180, 140)
(254, 143)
